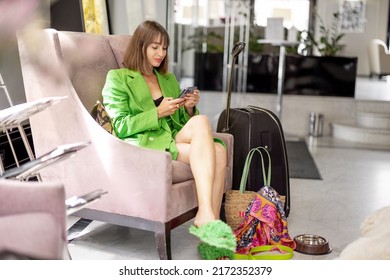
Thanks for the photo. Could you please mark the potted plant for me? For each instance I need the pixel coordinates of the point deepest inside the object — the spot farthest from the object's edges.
(329, 38)
(324, 73)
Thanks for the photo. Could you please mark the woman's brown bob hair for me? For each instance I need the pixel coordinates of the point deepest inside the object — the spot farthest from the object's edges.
(145, 34)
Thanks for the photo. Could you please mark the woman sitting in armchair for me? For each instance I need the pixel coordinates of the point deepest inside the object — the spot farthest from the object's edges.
(142, 101)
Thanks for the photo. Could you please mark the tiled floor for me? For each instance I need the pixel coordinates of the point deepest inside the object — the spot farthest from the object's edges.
(355, 183)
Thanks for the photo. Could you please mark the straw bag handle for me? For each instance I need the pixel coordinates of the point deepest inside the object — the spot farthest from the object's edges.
(245, 172)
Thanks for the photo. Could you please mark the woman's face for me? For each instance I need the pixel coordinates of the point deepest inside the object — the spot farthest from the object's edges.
(156, 52)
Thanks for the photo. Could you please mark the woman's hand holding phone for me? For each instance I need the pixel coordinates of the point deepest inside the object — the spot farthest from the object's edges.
(189, 97)
(168, 106)
(191, 100)
(186, 91)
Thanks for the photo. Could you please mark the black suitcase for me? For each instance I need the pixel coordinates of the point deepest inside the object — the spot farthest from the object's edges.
(253, 127)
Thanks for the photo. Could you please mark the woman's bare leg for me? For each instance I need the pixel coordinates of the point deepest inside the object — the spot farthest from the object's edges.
(196, 147)
(219, 178)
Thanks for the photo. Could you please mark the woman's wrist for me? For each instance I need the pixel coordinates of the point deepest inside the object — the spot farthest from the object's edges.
(190, 111)
(159, 116)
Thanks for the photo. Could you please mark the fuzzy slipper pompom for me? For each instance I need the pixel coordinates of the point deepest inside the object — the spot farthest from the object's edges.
(216, 233)
(208, 252)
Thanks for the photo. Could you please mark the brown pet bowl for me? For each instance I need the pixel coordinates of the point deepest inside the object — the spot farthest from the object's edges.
(312, 244)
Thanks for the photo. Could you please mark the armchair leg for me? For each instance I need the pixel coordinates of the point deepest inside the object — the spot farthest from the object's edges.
(162, 235)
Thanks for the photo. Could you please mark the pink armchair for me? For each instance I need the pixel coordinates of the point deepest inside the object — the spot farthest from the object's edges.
(146, 188)
(32, 220)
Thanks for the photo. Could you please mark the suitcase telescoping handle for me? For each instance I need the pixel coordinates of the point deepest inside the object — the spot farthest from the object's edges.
(237, 48)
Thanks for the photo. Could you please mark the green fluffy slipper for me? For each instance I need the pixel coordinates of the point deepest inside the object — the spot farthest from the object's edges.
(208, 252)
(216, 233)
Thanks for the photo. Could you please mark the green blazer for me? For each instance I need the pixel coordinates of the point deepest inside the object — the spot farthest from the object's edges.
(130, 105)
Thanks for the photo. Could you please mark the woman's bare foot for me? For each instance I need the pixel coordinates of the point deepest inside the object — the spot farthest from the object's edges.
(203, 217)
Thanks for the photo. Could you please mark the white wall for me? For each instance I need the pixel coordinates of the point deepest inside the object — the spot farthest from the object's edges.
(12, 75)
(356, 44)
(126, 15)
(118, 17)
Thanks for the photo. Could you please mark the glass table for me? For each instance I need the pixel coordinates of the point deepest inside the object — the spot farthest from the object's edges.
(13, 117)
(29, 169)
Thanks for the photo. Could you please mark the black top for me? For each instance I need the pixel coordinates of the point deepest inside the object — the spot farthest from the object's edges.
(158, 101)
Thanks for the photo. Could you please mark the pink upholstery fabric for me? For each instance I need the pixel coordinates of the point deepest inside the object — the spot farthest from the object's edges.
(140, 182)
(33, 220)
(33, 235)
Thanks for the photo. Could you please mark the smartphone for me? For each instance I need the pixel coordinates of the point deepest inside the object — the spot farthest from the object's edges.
(187, 90)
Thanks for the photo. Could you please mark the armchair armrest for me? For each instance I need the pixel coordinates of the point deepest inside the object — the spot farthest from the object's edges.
(18, 197)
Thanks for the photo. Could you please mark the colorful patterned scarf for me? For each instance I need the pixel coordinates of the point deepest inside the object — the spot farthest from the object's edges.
(265, 223)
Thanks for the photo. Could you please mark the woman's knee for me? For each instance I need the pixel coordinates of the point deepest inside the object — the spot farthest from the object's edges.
(201, 122)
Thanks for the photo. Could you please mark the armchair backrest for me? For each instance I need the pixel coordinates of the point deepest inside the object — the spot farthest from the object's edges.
(98, 54)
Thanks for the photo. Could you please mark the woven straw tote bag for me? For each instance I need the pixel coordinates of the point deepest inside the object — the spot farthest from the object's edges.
(236, 201)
